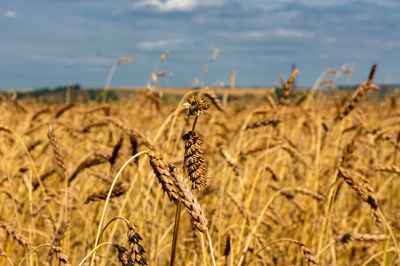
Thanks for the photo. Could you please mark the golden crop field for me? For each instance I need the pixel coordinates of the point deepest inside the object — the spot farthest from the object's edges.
(299, 178)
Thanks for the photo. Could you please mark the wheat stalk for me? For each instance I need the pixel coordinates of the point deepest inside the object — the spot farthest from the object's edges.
(286, 87)
(359, 94)
(361, 238)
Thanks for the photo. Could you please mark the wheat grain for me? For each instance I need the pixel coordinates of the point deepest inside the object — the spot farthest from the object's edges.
(194, 160)
(286, 87)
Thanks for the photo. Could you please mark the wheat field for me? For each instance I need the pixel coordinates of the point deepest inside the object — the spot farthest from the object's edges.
(297, 178)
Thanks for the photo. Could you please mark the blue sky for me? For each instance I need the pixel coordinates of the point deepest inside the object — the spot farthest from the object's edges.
(53, 42)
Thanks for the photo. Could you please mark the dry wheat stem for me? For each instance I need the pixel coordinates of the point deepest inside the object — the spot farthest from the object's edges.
(94, 250)
(371, 258)
(361, 238)
(111, 221)
(108, 199)
(61, 257)
(258, 221)
(4, 255)
(306, 252)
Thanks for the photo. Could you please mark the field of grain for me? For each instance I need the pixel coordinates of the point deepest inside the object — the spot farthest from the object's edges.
(294, 179)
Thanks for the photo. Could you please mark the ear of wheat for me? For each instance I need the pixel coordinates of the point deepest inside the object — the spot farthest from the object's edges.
(57, 150)
(286, 87)
(194, 160)
(178, 190)
(359, 94)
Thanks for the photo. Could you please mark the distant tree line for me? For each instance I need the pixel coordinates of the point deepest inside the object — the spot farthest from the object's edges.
(48, 91)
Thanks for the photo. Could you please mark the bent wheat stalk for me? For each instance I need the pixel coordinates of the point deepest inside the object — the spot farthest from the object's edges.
(106, 204)
(110, 75)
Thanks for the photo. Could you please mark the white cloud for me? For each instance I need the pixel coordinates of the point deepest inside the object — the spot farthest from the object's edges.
(294, 33)
(391, 45)
(167, 6)
(288, 14)
(37, 57)
(10, 14)
(362, 17)
(174, 5)
(162, 44)
(284, 33)
(329, 39)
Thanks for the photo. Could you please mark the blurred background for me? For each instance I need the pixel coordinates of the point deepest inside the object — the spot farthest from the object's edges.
(47, 43)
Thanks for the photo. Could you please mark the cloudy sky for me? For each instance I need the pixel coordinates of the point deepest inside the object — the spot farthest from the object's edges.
(53, 42)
